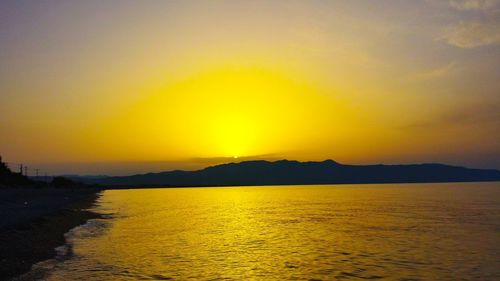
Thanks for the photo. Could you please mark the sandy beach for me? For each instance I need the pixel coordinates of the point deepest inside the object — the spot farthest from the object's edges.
(34, 222)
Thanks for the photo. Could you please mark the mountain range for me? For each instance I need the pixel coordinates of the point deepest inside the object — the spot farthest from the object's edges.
(285, 172)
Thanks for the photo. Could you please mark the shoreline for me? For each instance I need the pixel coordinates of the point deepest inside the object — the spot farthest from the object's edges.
(35, 223)
(125, 187)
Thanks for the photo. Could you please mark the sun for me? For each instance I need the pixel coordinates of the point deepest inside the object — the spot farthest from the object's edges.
(234, 111)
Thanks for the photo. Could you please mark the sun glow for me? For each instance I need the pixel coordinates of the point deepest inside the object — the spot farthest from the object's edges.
(230, 112)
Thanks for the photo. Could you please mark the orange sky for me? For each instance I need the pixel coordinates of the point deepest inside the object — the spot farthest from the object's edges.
(119, 87)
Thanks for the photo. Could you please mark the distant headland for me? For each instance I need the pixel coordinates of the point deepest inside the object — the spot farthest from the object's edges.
(286, 172)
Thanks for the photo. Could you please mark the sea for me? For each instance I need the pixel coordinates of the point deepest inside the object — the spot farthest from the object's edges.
(445, 231)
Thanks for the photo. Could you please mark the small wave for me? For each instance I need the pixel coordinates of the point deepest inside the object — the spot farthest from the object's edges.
(42, 270)
(93, 228)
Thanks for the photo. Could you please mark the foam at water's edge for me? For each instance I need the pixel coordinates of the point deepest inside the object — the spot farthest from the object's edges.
(42, 270)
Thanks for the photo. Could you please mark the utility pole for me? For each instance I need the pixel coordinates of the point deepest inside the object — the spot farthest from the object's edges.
(26, 170)
(21, 169)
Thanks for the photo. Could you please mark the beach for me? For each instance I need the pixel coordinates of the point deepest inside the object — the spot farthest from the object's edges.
(34, 221)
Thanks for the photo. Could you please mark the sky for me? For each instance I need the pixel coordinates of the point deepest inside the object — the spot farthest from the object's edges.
(123, 87)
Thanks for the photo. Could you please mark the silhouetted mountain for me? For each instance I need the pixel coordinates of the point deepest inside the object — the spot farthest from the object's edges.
(293, 172)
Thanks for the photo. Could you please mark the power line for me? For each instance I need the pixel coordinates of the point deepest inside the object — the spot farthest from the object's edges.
(24, 170)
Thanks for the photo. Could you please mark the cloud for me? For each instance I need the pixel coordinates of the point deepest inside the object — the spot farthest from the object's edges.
(479, 24)
(472, 34)
(485, 113)
(468, 5)
(435, 73)
(219, 160)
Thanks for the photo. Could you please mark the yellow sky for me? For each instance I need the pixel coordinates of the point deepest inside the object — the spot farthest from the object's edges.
(106, 87)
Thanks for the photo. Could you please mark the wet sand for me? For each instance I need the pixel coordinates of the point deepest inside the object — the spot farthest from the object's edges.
(33, 223)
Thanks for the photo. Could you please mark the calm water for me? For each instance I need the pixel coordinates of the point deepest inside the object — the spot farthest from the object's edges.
(390, 232)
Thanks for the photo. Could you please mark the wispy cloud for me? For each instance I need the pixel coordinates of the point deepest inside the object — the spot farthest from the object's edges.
(467, 5)
(479, 24)
(484, 113)
(472, 34)
(435, 73)
(220, 160)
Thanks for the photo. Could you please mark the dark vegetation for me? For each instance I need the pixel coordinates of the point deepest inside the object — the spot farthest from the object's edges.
(10, 179)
